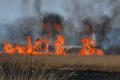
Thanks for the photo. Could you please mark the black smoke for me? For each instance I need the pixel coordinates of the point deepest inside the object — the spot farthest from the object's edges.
(52, 18)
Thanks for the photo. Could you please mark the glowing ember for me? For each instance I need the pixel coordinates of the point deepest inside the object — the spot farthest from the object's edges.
(41, 46)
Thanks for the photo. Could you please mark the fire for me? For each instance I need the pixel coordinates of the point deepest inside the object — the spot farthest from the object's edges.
(41, 46)
(8, 48)
(87, 47)
(44, 26)
(57, 26)
(59, 49)
(36, 48)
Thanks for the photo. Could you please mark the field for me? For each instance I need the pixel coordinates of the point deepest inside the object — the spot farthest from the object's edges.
(69, 67)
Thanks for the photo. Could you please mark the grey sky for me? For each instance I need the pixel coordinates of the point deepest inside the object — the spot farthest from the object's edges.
(9, 10)
(13, 9)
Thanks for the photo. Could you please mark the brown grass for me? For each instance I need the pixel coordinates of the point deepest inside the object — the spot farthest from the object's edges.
(100, 63)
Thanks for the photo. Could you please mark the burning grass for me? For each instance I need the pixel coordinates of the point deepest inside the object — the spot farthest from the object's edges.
(87, 48)
(36, 55)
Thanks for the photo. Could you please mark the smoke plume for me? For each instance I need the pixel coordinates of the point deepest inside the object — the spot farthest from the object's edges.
(102, 15)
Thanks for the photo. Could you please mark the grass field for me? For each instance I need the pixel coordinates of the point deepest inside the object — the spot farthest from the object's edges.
(69, 67)
(100, 63)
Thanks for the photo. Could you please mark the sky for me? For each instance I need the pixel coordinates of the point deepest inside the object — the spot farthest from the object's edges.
(11, 10)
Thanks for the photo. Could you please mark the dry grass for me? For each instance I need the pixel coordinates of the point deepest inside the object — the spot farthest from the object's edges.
(15, 73)
(100, 63)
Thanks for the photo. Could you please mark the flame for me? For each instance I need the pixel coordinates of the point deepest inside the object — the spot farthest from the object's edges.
(44, 26)
(29, 48)
(87, 47)
(59, 49)
(8, 48)
(36, 48)
(41, 46)
(58, 28)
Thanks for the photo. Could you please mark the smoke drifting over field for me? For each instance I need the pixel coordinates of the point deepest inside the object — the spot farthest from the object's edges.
(103, 15)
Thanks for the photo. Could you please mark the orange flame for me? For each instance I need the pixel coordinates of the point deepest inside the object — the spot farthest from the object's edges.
(29, 48)
(58, 28)
(44, 26)
(8, 48)
(59, 49)
(88, 46)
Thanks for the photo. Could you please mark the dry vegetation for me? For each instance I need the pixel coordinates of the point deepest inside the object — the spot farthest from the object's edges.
(99, 63)
(17, 73)
(69, 67)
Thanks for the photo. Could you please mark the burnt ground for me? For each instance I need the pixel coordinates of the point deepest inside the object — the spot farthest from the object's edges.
(96, 75)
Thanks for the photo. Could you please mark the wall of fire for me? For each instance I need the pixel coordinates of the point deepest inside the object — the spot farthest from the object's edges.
(27, 16)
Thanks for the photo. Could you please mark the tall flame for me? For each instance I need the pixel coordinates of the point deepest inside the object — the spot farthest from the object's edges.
(41, 46)
(59, 49)
(36, 48)
(88, 46)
